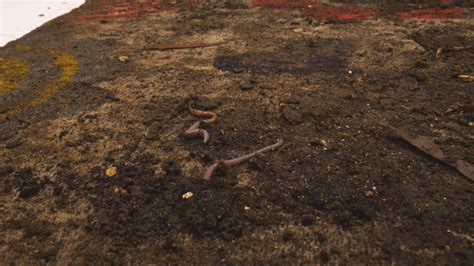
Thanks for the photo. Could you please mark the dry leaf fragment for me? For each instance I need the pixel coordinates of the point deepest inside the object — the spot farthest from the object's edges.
(423, 144)
(466, 169)
(429, 147)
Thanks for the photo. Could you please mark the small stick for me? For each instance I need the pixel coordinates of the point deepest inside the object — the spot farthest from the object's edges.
(233, 162)
(211, 116)
(195, 131)
(441, 51)
(183, 46)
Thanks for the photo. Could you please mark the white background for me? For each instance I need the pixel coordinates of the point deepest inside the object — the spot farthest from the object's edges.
(18, 17)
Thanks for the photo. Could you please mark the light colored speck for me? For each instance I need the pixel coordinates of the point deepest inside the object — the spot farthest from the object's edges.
(188, 195)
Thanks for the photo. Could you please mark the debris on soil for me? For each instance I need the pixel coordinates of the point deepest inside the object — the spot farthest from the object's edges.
(463, 107)
(423, 144)
(467, 78)
(324, 143)
(290, 115)
(298, 30)
(234, 162)
(442, 51)
(430, 148)
(111, 171)
(166, 47)
(246, 86)
(123, 58)
(120, 191)
(465, 168)
(187, 195)
(369, 193)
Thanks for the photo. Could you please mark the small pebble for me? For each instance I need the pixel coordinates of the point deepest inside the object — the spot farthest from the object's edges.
(246, 86)
(111, 171)
(238, 70)
(123, 58)
(324, 143)
(120, 191)
(188, 195)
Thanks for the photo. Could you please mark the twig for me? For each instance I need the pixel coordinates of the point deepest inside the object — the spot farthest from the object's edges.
(195, 131)
(233, 162)
(441, 51)
(183, 46)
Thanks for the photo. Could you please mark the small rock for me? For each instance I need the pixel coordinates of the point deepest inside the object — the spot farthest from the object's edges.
(324, 143)
(291, 115)
(123, 58)
(120, 191)
(187, 195)
(247, 208)
(369, 194)
(238, 70)
(246, 86)
(298, 30)
(111, 171)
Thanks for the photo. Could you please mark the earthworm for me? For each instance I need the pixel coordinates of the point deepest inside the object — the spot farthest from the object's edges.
(211, 116)
(195, 131)
(233, 162)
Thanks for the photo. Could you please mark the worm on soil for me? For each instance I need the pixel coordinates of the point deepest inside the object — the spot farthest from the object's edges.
(195, 131)
(236, 161)
(211, 116)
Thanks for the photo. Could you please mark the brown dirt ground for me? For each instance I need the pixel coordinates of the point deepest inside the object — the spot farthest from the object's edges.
(342, 188)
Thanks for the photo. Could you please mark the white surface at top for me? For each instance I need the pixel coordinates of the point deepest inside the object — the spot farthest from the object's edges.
(18, 17)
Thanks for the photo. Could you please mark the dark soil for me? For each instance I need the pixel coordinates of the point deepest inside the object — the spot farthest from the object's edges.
(341, 189)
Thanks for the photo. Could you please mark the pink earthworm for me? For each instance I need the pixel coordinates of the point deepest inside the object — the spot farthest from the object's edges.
(211, 116)
(195, 131)
(233, 162)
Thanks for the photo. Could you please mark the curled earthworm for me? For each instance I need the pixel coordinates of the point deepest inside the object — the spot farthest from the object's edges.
(233, 162)
(195, 131)
(211, 116)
